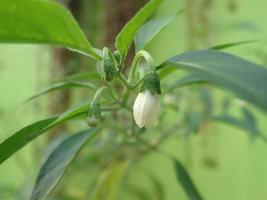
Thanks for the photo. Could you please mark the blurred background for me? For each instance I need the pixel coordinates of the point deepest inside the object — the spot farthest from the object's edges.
(225, 162)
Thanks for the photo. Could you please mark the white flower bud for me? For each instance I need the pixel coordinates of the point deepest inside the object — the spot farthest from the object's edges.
(146, 109)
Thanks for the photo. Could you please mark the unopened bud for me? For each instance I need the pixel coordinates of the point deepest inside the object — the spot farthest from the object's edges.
(146, 107)
(94, 115)
(109, 69)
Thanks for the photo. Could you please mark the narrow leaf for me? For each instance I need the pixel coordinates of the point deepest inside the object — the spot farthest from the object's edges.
(23, 137)
(42, 22)
(110, 181)
(71, 113)
(233, 44)
(184, 81)
(18, 140)
(186, 182)
(127, 34)
(158, 188)
(62, 85)
(245, 79)
(243, 124)
(150, 29)
(57, 163)
(82, 76)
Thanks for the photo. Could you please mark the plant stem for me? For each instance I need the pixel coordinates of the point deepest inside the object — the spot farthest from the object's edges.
(141, 54)
(124, 81)
(99, 93)
(151, 64)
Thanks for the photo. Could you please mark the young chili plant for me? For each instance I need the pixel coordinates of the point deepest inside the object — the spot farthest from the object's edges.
(128, 98)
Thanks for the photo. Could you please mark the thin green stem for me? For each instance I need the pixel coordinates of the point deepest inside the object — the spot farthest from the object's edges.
(99, 93)
(150, 63)
(141, 54)
(124, 81)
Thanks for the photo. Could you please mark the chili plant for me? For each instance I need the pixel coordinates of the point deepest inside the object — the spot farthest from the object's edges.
(128, 96)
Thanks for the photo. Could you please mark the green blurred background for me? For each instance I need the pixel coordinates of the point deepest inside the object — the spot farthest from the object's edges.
(237, 171)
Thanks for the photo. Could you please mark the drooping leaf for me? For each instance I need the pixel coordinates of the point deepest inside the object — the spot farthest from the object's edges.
(62, 85)
(42, 22)
(207, 101)
(127, 34)
(24, 136)
(186, 182)
(57, 163)
(233, 44)
(193, 121)
(151, 29)
(245, 79)
(158, 189)
(249, 126)
(184, 81)
(110, 181)
(82, 76)
(226, 118)
(249, 117)
(137, 192)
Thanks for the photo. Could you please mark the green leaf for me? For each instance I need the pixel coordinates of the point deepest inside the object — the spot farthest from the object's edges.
(233, 44)
(23, 137)
(165, 71)
(42, 22)
(62, 85)
(18, 140)
(249, 117)
(245, 79)
(76, 111)
(110, 181)
(186, 182)
(185, 81)
(150, 29)
(226, 118)
(82, 76)
(57, 163)
(249, 126)
(158, 189)
(127, 34)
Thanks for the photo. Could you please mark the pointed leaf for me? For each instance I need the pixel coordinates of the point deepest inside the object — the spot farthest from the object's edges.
(233, 44)
(245, 79)
(110, 181)
(127, 34)
(71, 113)
(62, 85)
(186, 182)
(82, 76)
(23, 137)
(248, 126)
(42, 22)
(18, 140)
(150, 29)
(184, 81)
(57, 163)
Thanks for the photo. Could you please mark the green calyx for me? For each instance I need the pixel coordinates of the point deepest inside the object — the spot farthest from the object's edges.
(109, 69)
(117, 58)
(151, 82)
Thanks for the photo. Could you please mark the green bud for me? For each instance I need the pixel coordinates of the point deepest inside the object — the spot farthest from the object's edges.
(94, 114)
(92, 121)
(151, 82)
(117, 57)
(109, 69)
